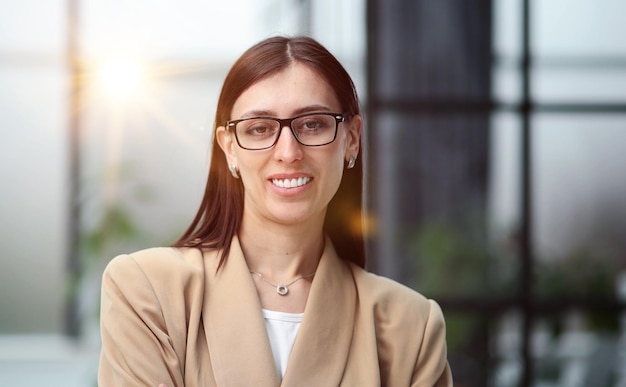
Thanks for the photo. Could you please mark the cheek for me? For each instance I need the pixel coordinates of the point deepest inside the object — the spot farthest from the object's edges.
(341, 145)
(335, 169)
(248, 169)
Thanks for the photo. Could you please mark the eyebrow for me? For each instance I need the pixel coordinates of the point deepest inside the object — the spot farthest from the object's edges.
(297, 112)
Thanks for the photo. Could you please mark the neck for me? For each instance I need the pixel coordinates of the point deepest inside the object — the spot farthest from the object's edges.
(281, 252)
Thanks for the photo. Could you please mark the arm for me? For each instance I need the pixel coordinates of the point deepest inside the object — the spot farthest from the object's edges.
(432, 368)
(137, 349)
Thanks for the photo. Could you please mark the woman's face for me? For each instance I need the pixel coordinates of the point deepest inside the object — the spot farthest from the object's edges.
(295, 90)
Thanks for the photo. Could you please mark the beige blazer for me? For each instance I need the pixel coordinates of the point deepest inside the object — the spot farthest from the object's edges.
(168, 317)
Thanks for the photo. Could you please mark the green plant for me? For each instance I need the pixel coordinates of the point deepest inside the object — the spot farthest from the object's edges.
(455, 265)
(452, 263)
(580, 275)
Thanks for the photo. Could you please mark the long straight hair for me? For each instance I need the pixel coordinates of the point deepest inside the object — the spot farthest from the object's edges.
(220, 214)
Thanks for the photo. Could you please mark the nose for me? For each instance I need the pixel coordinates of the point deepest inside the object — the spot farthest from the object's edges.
(287, 148)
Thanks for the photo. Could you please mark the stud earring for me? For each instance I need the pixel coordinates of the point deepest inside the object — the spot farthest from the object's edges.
(233, 171)
(351, 162)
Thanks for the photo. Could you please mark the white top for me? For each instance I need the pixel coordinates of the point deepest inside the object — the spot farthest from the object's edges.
(282, 329)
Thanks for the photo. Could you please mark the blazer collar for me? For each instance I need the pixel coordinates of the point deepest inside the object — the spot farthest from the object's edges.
(322, 346)
(240, 351)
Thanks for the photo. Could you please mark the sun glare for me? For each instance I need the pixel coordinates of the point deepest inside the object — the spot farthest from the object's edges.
(121, 77)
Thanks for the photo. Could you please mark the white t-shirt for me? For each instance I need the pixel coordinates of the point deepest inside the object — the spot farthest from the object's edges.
(282, 329)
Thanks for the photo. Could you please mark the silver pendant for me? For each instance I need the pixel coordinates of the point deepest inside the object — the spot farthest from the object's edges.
(282, 289)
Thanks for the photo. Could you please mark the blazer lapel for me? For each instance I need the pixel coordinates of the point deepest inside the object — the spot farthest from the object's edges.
(240, 351)
(322, 346)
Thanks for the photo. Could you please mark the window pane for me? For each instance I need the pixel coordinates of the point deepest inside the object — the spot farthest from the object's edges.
(33, 162)
(584, 85)
(578, 27)
(580, 223)
(506, 83)
(505, 348)
(580, 195)
(507, 27)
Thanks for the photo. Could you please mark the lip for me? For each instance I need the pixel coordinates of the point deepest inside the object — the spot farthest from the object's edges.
(289, 179)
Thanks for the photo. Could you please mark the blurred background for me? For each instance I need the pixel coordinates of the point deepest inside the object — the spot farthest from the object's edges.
(495, 147)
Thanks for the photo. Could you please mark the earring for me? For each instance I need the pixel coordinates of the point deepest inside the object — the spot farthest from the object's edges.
(233, 171)
(351, 162)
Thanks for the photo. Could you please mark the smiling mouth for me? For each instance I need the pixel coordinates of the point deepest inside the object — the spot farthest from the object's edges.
(291, 183)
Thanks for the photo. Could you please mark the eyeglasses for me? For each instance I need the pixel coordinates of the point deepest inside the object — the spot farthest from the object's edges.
(311, 129)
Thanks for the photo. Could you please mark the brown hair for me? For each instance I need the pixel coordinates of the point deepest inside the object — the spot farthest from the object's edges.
(221, 210)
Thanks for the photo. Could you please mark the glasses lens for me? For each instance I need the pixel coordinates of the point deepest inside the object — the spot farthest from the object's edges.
(311, 129)
(257, 133)
(315, 129)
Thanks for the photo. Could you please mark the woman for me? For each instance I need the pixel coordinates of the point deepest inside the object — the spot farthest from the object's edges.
(267, 285)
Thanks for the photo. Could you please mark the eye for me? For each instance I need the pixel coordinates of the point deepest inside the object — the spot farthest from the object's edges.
(313, 124)
(258, 128)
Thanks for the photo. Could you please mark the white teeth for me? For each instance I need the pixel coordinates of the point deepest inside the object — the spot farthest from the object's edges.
(291, 183)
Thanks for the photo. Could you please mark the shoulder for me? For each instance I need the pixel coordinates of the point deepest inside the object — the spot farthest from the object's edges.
(157, 284)
(409, 328)
(383, 292)
(157, 261)
(150, 300)
(160, 270)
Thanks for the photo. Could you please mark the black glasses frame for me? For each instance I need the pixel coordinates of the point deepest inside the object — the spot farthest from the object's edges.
(231, 125)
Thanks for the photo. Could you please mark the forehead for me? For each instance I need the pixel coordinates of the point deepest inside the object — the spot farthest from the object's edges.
(290, 90)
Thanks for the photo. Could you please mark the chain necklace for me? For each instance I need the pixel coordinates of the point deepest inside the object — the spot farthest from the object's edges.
(282, 289)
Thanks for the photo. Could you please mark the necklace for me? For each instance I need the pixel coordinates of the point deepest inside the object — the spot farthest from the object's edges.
(282, 289)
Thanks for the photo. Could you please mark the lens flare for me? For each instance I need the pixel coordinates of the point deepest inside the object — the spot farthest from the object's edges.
(121, 77)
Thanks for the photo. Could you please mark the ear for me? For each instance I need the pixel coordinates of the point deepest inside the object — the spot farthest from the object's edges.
(353, 138)
(226, 141)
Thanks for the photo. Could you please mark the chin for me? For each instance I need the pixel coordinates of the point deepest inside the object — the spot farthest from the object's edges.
(292, 216)
(291, 219)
